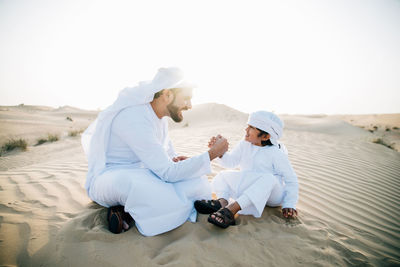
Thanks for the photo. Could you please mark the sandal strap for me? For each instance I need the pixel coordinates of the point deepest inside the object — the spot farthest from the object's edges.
(226, 213)
(207, 206)
(211, 202)
(214, 203)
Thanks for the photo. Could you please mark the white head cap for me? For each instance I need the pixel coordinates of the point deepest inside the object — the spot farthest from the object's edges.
(268, 122)
(165, 78)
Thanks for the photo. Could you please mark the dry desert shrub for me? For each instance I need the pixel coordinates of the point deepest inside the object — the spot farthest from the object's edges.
(41, 141)
(380, 141)
(74, 133)
(53, 137)
(50, 138)
(12, 144)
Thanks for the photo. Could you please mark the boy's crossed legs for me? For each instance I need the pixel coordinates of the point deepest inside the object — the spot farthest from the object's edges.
(251, 190)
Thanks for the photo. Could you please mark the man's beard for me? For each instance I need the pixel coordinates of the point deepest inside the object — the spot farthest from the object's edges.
(174, 112)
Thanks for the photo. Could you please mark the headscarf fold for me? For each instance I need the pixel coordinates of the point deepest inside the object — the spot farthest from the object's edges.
(268, 122)
(96, 136)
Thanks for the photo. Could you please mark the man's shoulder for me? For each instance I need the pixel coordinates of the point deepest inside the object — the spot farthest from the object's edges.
(139, 111)
(133, 114)
(136, 109)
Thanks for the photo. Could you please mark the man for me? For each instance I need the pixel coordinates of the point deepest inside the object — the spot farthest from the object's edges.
(133, 164)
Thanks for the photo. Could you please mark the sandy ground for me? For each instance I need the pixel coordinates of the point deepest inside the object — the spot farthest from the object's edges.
(385, 127)
(349, 203)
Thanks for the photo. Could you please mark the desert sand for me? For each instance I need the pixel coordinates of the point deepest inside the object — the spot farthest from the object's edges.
(349, 207)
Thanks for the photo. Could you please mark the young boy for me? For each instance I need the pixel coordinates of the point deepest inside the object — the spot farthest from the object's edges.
(266, 176)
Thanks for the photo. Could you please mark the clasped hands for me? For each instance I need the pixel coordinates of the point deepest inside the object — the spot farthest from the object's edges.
(218, 146)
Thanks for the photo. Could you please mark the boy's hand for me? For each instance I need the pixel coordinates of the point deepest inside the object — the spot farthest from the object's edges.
(213, 140)
(179, 158)
(289, 213)
(218, 148)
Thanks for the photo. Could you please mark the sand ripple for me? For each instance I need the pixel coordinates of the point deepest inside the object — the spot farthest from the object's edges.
(349, 212)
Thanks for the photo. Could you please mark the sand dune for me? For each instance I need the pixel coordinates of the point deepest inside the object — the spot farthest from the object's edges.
(33, 122)
(349, 203)
(384, 127)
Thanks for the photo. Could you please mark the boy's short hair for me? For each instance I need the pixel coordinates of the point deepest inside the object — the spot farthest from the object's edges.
(264, 142)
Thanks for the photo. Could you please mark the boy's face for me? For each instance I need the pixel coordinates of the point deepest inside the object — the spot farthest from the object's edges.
(252, 136)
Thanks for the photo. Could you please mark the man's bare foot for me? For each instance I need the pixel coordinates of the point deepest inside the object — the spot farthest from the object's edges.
(223, 202)
(125, 225)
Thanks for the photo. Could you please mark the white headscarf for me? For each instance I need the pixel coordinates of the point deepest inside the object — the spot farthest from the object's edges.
(95, 138)
(268, 122)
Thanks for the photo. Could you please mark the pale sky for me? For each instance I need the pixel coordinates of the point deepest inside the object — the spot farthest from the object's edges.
(303, 57)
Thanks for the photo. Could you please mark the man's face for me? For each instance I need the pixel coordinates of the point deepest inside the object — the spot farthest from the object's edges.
(182, 101)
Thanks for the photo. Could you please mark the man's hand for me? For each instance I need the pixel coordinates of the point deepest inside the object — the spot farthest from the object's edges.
(179, 158)
(213, 140)
(289, 213)
(219, 147)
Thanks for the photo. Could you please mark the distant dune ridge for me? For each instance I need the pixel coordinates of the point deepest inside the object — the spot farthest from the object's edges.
(31, 122)
(349, 202)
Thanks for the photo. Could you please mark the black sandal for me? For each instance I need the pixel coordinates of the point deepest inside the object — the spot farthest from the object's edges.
(207, 206)
(227, 218)
(116, 217)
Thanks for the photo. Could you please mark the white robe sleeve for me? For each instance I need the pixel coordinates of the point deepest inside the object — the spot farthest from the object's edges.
(138, 132)
(283, 148)
(169, 147)
(232, 159)
(283, 168)
(170, 150)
